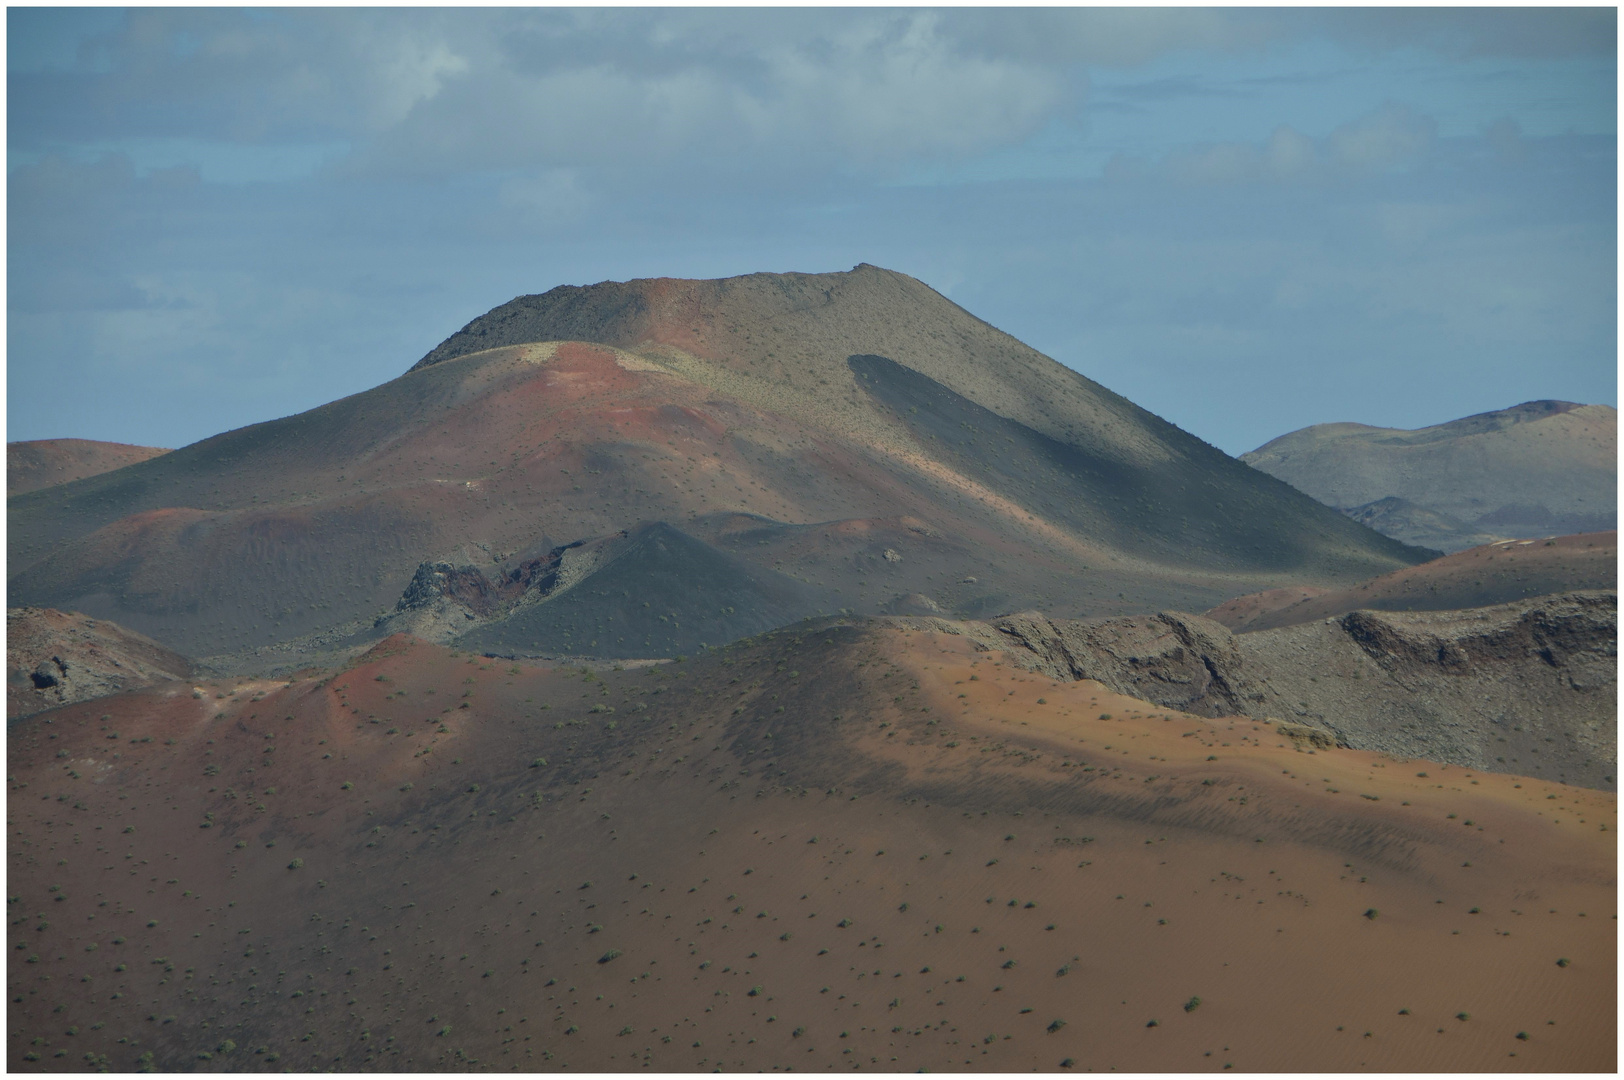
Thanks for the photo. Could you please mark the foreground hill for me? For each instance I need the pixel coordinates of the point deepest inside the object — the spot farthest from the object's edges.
(1492, 574)
(855, 431)
(844, 847)
(1536, 469)
(45, 462)
(59, 657)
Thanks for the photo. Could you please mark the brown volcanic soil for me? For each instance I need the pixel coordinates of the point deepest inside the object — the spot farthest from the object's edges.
(1048, 489)
(1492, 574)
(45, 462)
(929, 859)
(58, 657)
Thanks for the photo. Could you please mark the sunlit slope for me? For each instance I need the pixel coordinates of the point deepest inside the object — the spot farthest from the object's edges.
(314, 524)
(1490, 574)
(833, 847)
(826, 337)
(1533, 470)
(42, 463)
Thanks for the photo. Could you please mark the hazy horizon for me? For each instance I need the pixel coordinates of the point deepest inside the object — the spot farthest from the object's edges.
(1245, 220)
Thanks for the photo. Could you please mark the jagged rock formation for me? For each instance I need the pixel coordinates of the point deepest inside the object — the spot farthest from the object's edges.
(1528, 687)
(644, 592)
(59, 657)
(1181, 661)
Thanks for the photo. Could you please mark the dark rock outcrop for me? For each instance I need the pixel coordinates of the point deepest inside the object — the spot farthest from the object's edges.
(1529, 687)
(1172, 659)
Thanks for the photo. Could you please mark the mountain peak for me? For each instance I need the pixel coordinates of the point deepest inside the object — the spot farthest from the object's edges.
(664, 310)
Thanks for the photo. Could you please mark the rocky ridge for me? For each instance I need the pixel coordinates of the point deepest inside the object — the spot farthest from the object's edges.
(1529, 687)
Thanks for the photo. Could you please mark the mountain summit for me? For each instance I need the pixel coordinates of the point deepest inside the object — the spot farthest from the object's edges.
(856, 432)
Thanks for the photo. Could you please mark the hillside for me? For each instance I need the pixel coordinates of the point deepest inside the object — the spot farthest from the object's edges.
(1492, 574)
(57, 658)
(1534, 470)
(45, 462)
(844, 847)
(857, 432)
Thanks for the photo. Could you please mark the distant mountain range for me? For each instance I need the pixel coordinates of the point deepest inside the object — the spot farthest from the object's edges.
(1538, 469)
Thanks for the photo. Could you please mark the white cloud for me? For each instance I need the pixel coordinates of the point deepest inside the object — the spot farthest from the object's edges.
(865, 91)
(1392, 135)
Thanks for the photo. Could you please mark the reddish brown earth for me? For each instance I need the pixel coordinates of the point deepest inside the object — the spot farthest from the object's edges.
(46, 462)
(851, 847)
(835, 407)
(59, 657)
(1492, 574)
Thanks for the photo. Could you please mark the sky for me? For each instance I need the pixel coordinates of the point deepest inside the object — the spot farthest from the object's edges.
(1245, 220)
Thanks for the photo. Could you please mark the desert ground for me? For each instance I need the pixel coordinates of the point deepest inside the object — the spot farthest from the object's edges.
(846, 846)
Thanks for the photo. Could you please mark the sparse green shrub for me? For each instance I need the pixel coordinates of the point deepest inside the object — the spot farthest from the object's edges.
(1192, 1005)
(1056, 1025)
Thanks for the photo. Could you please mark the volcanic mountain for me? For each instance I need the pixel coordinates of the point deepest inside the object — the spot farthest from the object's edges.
(859, 441)
(1534, 470)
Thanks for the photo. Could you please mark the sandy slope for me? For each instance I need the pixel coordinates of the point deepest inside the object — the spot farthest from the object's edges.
(838, 848)
(1491, 574)
(46, 462)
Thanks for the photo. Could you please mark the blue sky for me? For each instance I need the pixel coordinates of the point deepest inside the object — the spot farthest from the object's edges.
(1245, 220)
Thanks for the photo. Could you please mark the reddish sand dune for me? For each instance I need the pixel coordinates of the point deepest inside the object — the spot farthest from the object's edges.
(44, 462)
(1491, 574)
(844, 848)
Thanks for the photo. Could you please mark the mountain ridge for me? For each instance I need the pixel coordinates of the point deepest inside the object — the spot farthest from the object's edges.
(1536, 469)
